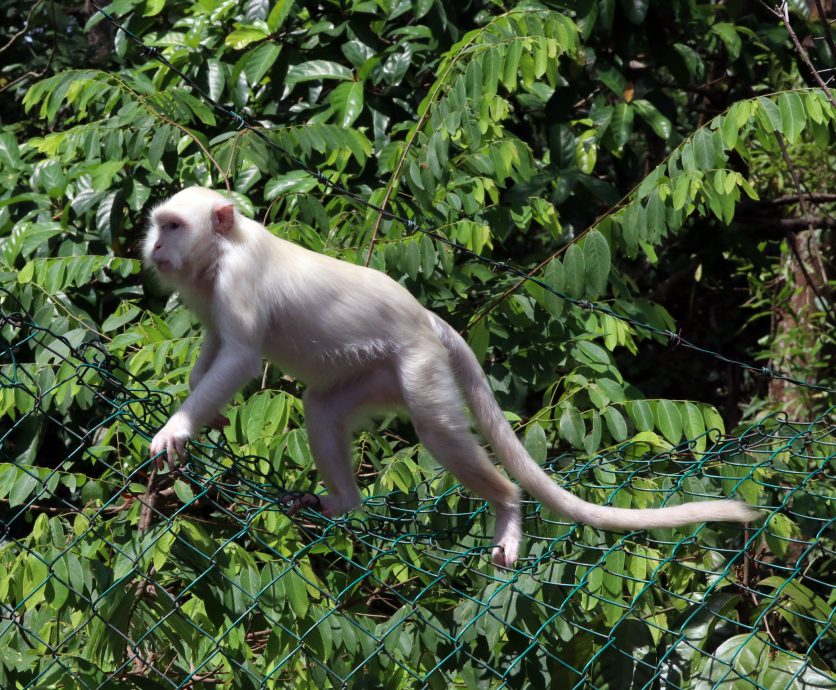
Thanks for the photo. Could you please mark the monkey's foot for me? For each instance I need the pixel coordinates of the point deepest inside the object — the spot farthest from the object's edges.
(219, 422)
(508, 536)
(324, 504)
(298, 502)
(504, 555)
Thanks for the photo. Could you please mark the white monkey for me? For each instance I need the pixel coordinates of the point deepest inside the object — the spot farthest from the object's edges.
(359, 341)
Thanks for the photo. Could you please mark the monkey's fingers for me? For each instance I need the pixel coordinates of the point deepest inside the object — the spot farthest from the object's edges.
(176, 452)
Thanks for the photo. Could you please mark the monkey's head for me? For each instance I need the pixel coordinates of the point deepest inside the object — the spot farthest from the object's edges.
(185, 234)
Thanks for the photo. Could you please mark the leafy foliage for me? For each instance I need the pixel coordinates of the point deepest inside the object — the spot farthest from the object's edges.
(606, 147)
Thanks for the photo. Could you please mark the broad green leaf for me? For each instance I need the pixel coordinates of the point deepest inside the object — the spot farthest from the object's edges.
(728, 34)
(158, 145)
(590, 353)
(655, 218)
(297, 182)
(24, 486)
(241, 38)
(57, 591)
(596, 253)
(622, 124)
(347, 100)
(184, 491)
(703, 146)
(553, 276)
(713, 420)
(571, 427)
(279, 14)
(793, 115)
(153, 8)
(693, 425)
(35, 575)
(535, 442)
(692, 59)
(260, 60)
(294, 587)
(615, 424)
(658, 122)
(769, 110)
(641, 413)
(574, 272)
(315, 70)
(668, 420)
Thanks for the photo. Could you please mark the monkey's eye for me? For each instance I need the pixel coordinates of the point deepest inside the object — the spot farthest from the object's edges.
(171, 225)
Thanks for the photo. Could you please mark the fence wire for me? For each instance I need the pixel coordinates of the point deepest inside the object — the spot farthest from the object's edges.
(113, 575)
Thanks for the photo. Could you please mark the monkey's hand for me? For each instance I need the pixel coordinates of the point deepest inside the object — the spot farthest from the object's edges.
(171, 440)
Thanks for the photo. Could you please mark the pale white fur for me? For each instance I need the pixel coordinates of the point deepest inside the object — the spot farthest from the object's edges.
(359, 341)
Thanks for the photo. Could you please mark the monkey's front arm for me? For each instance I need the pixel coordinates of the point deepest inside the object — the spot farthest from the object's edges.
(233, 365)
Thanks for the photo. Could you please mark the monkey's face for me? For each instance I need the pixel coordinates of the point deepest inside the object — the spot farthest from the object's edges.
(180, 243)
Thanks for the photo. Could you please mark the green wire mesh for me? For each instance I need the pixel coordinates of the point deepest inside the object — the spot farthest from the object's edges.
(198, 578)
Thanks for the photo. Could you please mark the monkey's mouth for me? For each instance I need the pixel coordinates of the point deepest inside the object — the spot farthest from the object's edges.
(163, 265)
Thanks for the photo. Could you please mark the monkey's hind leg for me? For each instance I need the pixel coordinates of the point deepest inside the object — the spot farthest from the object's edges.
(438, 414)
(328, 418)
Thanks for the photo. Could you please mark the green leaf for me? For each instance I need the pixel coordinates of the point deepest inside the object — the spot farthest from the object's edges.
(596, 254)
(693, 425)
(658, 122)
(35, 575)
(153, 7)
(315, 70)
(692, 59)
(703, 147)
(574, 271)
(296, 592)
(553, 276)
(280, 12)
(241, 38)
(216, 78)
(713, 420)
(590, 353)
(184, 491)
(9, 150)
(780, 534)
(260, 60)
(769, 110)
(655, 218)
(571, 427)
(616, 424)
(641, 413)
(347, 100)
(24, 486)
(297, 182)
(728, 34)
(668, 420)
(793, 115)
(57, 591)
(622, 124)
(158, 145)
(535, 442)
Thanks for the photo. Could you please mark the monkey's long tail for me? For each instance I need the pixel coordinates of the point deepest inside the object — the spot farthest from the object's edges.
(535, 481)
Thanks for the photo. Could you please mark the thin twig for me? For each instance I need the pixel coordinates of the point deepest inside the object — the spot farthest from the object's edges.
(24, 29)
(828, 36)
(784, 14)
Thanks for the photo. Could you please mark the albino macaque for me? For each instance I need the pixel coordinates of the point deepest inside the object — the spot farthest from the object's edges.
(359, 341)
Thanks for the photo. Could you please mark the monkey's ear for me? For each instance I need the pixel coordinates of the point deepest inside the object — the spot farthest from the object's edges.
(223, 217)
